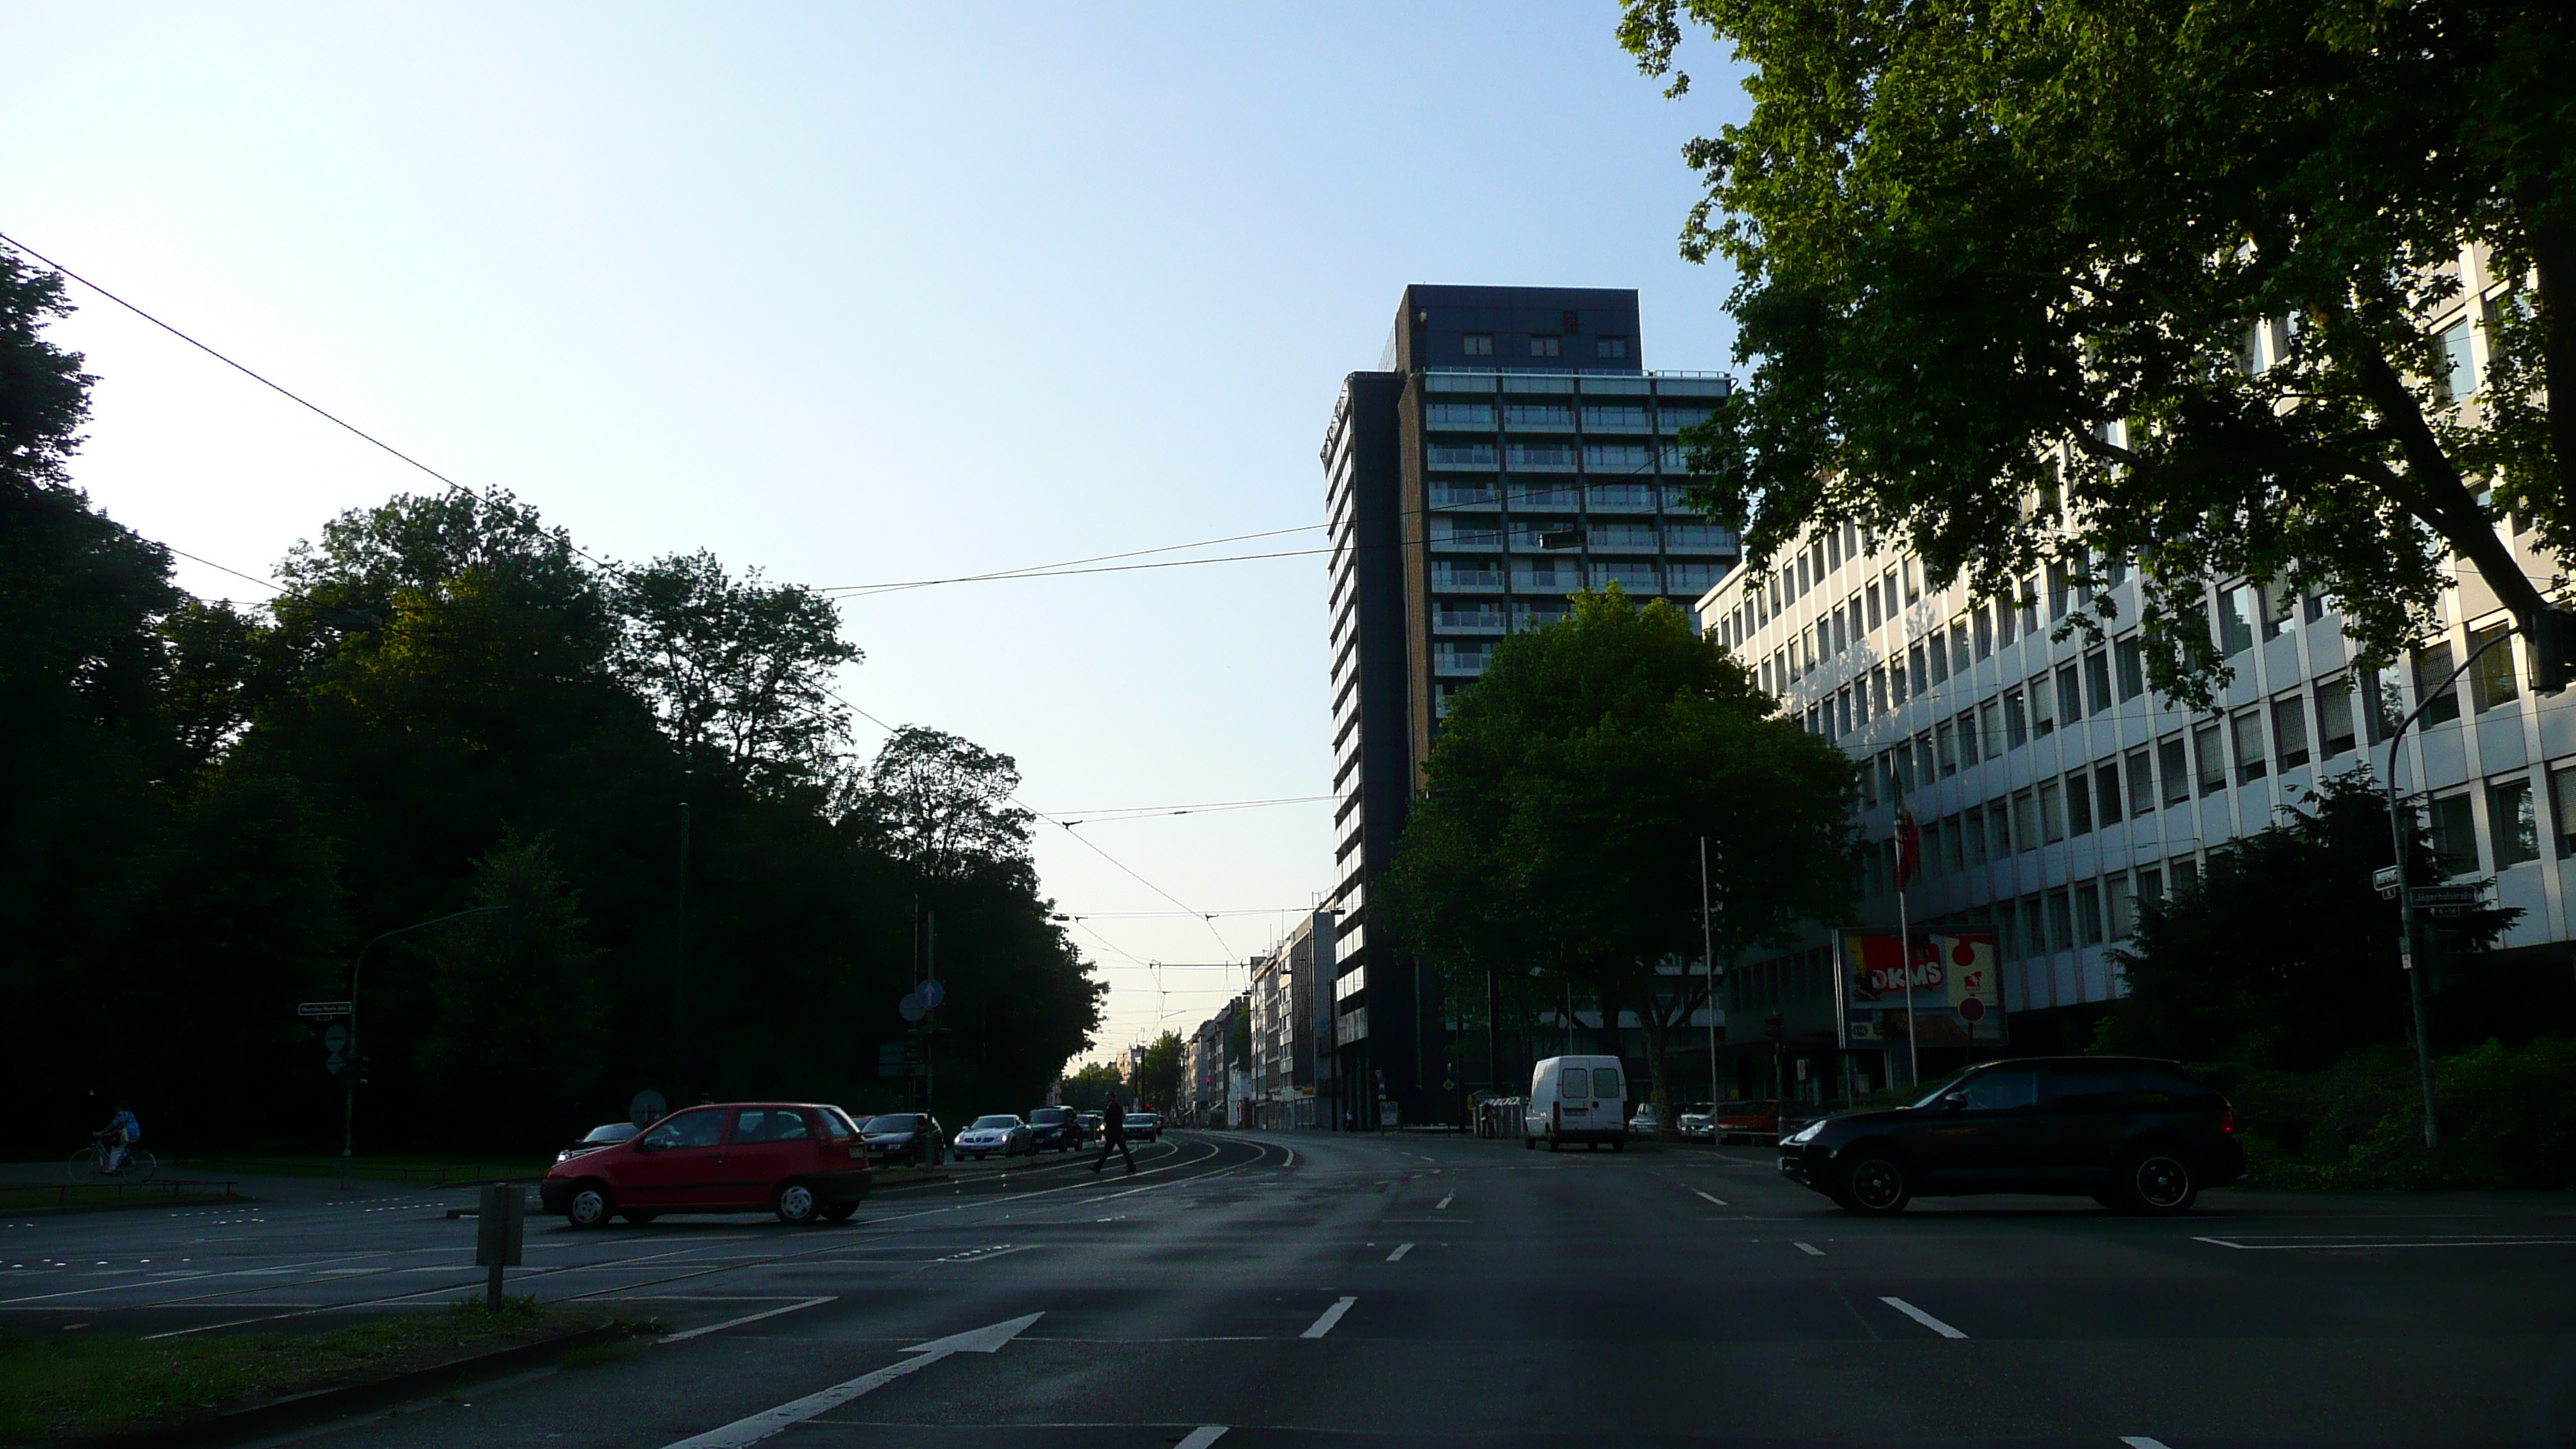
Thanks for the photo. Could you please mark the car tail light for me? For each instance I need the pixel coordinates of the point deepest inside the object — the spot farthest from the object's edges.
(2227, 1121)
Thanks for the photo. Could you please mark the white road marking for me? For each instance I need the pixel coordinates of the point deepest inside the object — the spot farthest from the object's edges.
(1721, 1202)
(2141, 1441)
(686, 1334)
(2275, 1244)
(1444, 1202)
(1206, 1434)
(1400, 1250)
(1811, 1250)
(761, 1425)
(1921, 1317)
(1324, 1324)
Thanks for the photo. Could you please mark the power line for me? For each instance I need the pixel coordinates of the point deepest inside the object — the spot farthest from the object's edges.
(1112, 814)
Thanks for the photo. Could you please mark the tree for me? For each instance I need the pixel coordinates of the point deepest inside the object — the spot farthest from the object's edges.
(942, 803)
(2283, 957)
(1568, 792)
(1158, 1076)
(740, 673)
(2150, 280)
(1091, 1088)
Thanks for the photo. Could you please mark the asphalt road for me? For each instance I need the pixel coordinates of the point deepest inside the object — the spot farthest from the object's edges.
(1316, 1289)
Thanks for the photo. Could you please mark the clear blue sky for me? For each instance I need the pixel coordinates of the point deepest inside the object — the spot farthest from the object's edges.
(855, 294)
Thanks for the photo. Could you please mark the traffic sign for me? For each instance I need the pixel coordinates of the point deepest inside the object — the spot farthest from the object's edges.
(911, 1007)
(327, 1008)
(2455, 895)
(332, 1062)
(334, 1037)
(931, 993)
(1973, 1009)
(2384, 881)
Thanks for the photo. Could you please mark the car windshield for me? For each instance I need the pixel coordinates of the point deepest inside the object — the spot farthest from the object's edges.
(611, 1132)
(1047, 1116)
(1135, 1117)
(891, 1122)
(1933, 1097)
(997, 1122)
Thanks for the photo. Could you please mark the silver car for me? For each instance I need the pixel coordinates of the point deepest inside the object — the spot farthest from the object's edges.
(999, 1134)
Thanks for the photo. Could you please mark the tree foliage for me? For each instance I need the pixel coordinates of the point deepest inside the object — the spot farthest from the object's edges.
(1158, 1075)
(1570, 787)
(2283, 956)
(2145, 280)
(206, 811)
(942, 803)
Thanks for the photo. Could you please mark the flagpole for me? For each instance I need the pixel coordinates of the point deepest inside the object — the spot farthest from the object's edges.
(1905, 973)
(1708, 974)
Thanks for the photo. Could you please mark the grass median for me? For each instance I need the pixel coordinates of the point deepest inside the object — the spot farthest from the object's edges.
(72, 1384)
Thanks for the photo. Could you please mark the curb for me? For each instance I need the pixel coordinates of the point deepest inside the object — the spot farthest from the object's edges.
(328, 1403)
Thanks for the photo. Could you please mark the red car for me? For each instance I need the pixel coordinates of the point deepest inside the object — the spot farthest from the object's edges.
(1748, 1121)
(799, 1160)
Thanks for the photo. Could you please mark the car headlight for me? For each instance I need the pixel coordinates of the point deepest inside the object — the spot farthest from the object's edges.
(1803, 1135)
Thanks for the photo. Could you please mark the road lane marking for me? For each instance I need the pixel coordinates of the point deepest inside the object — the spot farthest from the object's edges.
(1400, 1250)
(1324, 1324)
(1921, 1317)
(1811, 1250)
(1721, 1202)
(2248, 1243)
(2141, 1441)
(1206, 1434)
(1444, 1202)
(760, 1426)
(687, 1334)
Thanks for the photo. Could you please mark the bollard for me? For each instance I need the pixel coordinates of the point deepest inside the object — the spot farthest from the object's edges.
(500, 1235)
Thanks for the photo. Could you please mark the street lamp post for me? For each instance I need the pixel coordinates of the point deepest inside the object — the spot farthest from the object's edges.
(349, 1097)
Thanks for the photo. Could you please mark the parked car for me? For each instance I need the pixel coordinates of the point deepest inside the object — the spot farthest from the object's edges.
(2132, 1133)
(906, 1137)
(606, 1134)
(1697, 1122)
(1577, 1099)
(1750, 1120)
(1055, 1129)
(996, 1134)
(1144, 1127)
(803, 1161)
(1647, 1122)
(1093, 1124)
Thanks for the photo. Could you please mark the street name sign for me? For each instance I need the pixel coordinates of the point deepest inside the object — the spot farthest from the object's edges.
(2451, 895)
(326, 1008)
(2384, 881)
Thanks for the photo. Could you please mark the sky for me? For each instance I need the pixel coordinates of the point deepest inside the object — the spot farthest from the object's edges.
(854, 295)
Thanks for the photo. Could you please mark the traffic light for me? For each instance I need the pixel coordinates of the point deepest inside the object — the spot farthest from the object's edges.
(1776, 1027)
(2552, 632)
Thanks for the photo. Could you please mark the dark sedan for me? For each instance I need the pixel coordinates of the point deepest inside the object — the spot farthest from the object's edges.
(2134, 1134)
(898, 1137)
(1056, 1129)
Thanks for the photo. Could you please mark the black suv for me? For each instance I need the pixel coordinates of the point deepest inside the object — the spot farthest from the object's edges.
(1055, 1128)
(2134, 1134)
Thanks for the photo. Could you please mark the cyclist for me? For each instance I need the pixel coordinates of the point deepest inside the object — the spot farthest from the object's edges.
(119, 1136)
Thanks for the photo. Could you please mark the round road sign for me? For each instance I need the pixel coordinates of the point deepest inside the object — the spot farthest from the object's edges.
(1973, 1009)
(334, 1037)
(646, 1109)
(912, 1008)
(931, 993)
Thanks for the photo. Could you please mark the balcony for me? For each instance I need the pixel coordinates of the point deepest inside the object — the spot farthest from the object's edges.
(1620, 498)
(1698, 538)
(1538, 418)
(1468, 619)
(1616, 420)
(1544, 498)
(1541, 458)
(1459, 495)
(1472, 417)
(1468, 660)
(1623, 538)
(1460, 455)
(1466, 578)
(1449, 535)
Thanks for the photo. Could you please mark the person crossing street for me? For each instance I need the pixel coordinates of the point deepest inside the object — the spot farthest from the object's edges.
(1113, 1137)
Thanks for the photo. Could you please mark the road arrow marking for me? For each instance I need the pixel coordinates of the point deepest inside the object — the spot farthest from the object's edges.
(760, 1426)
(1324, 1324)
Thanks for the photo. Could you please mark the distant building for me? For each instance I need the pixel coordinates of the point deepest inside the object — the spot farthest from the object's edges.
(1291, 1000)
(1510, 449)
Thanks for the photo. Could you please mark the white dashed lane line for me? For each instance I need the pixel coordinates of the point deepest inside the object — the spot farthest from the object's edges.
(1400, 1250)
(1323, 1324)
(1721, 1202)
(1921, 1317)
(1811, 1250)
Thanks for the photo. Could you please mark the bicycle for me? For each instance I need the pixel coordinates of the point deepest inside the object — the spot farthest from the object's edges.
(90, 1164)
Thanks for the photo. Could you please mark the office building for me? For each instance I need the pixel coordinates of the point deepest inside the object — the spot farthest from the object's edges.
(1291, 1000)
(1509, 449)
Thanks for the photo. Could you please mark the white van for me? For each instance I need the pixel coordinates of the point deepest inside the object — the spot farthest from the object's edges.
(1577, 1099)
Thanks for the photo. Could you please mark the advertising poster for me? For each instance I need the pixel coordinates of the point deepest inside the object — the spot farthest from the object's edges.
(1949, 976)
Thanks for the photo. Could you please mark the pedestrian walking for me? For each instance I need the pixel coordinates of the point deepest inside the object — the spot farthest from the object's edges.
(1113, 1137)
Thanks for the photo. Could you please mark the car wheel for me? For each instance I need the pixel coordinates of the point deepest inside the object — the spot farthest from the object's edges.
(1529, 1144)
(639, 1219)
(797, 1204)
(2157, 1183)
(839, 1212)
(1619, 1145)
(1875, 1185)
(589, 1207)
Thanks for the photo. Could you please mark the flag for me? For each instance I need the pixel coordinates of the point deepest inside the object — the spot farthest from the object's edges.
(1909, 845)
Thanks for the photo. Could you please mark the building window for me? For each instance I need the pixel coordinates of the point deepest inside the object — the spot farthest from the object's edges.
(2128, 663)
(2235, 619)
(2511, 830)
(1959, 659)
(2290, 732)
(1946, 749)
(1547, 346)
(2025, 821)
(2151, 887)
(1611, 347)
(2005, 623)
(1935, 653)
(1478, 344)
(2106, 792)
(2175, 766)
(2079, 805)
(1917, 677)
(1982, 627)
(2459, 377)
(1968, 832)
(2070, 695)
(2120, 906)
(1967, 739)
(2212, 753)
(2247, 727)
(2455, 834)
(2016, 727)
(1998, 830)
(2280, 608)
(2142, 781)
(2097, 682)
(1990, 729)
(2052, 813)
(2334, 717)
(2007, 943)
(2433, 666)
(1871, 595)
(2562, 809)
(2088, 914)
(2042, 724)
(2491, 680)
(2061, 922)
